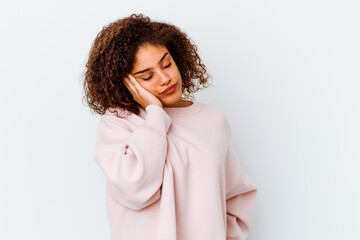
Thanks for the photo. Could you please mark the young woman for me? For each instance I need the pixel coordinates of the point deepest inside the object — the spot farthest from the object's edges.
(169, 161)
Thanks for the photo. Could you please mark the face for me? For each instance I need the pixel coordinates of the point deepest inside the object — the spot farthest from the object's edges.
(155, 70)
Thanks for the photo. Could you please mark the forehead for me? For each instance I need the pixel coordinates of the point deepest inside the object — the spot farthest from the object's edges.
(149, 54)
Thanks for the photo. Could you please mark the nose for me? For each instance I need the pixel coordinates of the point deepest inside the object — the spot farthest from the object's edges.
(164, 77)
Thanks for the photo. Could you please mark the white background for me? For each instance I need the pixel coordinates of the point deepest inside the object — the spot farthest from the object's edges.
(286, 73)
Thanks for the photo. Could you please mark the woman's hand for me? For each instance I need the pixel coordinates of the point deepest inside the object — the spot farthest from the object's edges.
(140, 94)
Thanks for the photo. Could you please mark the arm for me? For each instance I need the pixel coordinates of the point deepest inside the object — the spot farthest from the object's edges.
(133, 162)
(240, 197)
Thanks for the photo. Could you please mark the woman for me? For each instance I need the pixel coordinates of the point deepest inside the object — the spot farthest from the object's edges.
(170, 165)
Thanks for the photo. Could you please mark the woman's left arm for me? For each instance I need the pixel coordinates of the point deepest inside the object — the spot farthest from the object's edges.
(240, 197)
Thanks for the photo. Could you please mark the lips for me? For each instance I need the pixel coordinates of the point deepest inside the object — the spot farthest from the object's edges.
(169, 88)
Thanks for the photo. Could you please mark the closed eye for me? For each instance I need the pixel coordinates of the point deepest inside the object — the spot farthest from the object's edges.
(152, 75)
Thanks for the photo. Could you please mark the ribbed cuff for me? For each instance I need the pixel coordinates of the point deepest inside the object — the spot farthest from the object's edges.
(157, 118)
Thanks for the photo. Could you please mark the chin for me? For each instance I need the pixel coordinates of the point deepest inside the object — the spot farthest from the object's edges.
(172, 99)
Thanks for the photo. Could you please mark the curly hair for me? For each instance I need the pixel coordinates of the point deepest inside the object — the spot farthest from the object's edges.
(112, 57)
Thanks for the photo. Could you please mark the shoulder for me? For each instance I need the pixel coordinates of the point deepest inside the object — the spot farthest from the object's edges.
(215, 114)
(215, 118)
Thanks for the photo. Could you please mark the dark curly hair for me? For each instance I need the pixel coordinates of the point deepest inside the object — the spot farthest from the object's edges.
(112, 56)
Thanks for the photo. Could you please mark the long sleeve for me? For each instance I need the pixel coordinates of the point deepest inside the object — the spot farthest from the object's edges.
(133, 161)
(240, 198)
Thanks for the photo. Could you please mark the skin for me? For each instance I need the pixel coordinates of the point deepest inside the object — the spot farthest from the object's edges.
(147, 87)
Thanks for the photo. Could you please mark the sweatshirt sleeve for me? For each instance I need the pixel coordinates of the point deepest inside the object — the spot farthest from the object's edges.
(133, 162)
(240, 197)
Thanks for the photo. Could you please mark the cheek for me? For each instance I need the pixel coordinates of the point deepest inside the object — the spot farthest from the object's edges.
(149, 86)
(177, 73)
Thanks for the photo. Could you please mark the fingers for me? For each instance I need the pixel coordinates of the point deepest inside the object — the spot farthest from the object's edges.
(129, 84)
(131, 77)
(133, 81)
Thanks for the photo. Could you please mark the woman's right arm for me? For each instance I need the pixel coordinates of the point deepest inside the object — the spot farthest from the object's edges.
(133, 162)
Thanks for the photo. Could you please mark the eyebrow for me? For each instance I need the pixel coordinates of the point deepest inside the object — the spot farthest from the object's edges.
(150, 68)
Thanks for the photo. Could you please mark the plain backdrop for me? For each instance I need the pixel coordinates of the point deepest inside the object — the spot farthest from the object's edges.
(286, 73)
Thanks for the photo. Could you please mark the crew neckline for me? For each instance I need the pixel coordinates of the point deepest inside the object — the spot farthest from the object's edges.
(183, 111)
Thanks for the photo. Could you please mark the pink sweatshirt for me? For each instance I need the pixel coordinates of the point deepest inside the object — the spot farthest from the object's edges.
(172, 174)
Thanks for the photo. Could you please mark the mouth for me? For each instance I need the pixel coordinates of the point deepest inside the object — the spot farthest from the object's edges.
(169, 88)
